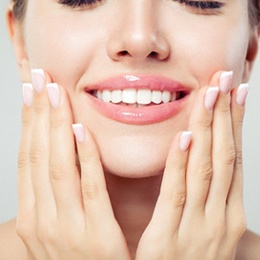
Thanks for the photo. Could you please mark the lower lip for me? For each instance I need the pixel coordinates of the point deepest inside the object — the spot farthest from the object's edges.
(138, 116)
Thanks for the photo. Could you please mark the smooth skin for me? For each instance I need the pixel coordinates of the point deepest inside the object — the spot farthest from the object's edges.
(196, 200)
(79, 223)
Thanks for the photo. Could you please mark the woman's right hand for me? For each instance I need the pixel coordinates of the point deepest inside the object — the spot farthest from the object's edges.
(64, 212)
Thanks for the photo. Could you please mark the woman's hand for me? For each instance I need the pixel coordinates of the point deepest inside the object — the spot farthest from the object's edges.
(199, 213)
(61, 214)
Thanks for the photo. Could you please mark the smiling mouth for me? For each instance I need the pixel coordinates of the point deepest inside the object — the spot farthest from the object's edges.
(137, 97)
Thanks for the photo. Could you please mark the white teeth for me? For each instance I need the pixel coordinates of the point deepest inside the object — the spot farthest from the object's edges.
(129, 96)
(139, 97)
(116, 96)
(156, 96)
(166, 96)
(144, 96)
(106, 96)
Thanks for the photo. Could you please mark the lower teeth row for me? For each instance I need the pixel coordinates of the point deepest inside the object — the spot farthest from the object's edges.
(139, 97)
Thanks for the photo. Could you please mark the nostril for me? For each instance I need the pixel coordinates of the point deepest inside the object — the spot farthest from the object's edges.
(123, 53)
(153, 54)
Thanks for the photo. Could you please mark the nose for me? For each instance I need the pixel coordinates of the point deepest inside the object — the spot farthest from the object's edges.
(135, 35)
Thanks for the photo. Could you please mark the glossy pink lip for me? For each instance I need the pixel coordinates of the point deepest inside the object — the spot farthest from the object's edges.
(141, 115)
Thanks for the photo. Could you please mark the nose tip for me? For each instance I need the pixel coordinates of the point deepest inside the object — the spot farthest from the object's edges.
(139, 46)
(136, 35)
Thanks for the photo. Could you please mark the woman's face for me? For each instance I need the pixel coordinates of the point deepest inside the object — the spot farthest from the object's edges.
(122, 44)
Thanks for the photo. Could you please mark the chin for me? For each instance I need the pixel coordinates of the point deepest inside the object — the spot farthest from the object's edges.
(134, 165)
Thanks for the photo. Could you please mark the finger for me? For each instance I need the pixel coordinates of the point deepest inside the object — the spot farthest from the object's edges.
(26, 218)
(39, 150)
(63, 171)
(199, 171)
(238, 109)
(98, 209)
(223, 152)
(25, 190)
(170, 203)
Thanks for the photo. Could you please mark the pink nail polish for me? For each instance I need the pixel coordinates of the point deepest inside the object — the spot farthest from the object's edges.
(79, 132)
(225, 81)
(242, 93)
(54, 94)
(185, 140)
(211, 98)
(27, 94)
(38, 79)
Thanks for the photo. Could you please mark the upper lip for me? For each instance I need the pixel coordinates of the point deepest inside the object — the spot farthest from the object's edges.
(152, 82)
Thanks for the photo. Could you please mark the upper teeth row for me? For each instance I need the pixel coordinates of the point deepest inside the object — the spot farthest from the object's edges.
(140, 96)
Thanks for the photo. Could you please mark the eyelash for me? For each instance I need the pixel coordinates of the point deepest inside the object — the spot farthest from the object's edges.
(79, 3)
(201, 5)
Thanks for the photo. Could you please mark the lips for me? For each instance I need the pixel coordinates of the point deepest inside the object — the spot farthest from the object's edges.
(138, 100)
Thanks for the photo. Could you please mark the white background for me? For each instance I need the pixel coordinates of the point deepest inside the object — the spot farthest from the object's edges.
(10, 103)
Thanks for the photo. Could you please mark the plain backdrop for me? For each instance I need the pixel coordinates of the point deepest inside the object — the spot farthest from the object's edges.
(10, 104)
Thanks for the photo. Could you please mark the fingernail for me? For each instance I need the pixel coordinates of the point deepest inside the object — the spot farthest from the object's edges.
(225, 81)
(211, 98)
(54, 94)
(242, 93)
(27, 94)
(38, 79)
(185, 140)
(79, 132)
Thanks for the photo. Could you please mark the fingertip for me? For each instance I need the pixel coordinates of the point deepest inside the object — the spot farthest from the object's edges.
(242, 94)
(185, 140)
(79, 132)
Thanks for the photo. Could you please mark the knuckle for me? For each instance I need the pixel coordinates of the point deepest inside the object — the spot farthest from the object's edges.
(206, 170)
(22, 160)
(230, 158)
(239, 157)
(225, 108)
(56, 171)
(36, 154)
(205, 122)
(40, 105)
(90, 191)
(179, 199)
(26, 118)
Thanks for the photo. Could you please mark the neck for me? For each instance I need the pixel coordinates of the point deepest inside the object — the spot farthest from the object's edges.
(133, 202)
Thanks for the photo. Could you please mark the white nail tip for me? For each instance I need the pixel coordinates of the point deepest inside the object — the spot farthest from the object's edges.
(185, 140)
(78, 130)
(38, 71)
(28, 85)
(226, 74)
(243, 86)
(53, 85)
(212, 89)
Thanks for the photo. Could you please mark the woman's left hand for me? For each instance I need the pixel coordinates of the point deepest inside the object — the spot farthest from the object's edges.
(199, 213)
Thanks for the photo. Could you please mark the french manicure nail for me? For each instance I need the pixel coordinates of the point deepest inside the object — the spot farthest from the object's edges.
(79, 132)
(38, 79)
(242, 93)
(211, 97)
(185, 140)
(225, 81)
(27, 94)
(54, 94)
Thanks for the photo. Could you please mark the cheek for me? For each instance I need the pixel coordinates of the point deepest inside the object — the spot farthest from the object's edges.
(205, 48)
(64, 53)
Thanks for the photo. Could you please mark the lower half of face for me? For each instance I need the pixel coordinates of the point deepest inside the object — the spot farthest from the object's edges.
(161, 46)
